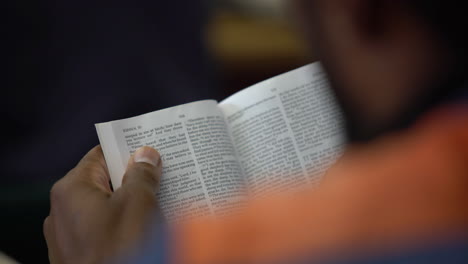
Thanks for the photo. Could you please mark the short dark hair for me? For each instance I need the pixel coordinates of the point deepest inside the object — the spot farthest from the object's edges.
(448, 18)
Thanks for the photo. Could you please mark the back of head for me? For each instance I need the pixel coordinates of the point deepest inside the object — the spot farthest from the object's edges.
(447, 18)
(389, 61)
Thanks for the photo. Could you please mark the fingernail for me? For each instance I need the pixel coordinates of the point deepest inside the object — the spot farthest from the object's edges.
(147, 155)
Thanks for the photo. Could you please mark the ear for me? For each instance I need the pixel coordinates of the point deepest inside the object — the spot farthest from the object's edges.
(384, 36)
(371, 21)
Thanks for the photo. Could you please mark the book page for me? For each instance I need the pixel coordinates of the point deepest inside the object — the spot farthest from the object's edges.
(201, 174)
(287, 130)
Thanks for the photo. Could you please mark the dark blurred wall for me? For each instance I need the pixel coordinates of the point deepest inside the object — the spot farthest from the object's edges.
(70, 64)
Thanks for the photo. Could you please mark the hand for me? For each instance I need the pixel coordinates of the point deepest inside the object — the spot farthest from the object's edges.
(88, 223)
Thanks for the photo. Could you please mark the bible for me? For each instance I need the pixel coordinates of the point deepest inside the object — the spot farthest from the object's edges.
(277, 135)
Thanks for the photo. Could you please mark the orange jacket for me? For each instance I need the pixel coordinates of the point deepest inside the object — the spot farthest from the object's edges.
(405, 189)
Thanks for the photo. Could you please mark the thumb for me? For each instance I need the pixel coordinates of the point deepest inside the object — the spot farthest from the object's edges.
(143, 171)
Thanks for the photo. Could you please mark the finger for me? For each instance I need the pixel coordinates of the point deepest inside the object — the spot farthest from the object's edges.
(86, 184)
(143, 171)
(46, 229)
(93, 168)
(50, 239)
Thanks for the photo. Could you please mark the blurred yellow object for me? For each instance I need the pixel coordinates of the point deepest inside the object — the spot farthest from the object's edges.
(240, 40)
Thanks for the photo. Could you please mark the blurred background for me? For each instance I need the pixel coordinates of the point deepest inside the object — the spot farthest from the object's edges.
(73, 63)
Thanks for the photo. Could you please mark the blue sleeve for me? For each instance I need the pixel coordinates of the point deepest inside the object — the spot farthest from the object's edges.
(154, 249)
(448, 253)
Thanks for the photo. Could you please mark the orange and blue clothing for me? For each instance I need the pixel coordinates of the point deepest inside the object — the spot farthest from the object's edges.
(400, 198)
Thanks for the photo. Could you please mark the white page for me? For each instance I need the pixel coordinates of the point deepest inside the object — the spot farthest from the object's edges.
(286, 130)
(201, 174)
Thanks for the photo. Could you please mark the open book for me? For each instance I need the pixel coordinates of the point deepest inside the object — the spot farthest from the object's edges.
(277, 135)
